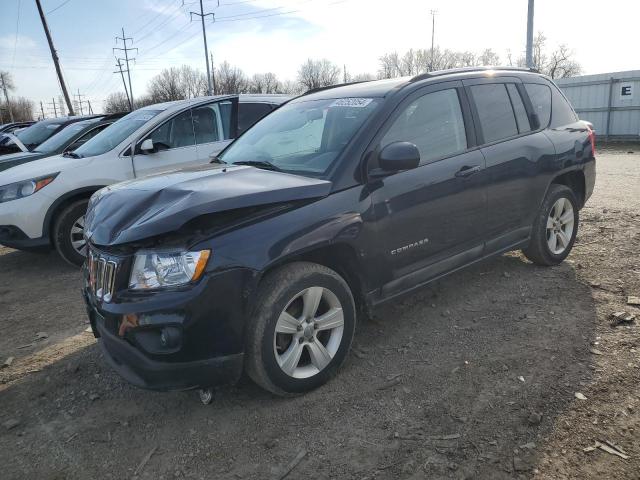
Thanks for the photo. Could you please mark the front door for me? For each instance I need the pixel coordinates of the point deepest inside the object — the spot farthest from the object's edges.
(432, 218)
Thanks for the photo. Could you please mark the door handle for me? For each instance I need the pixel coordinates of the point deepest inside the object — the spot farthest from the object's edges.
(467, 171)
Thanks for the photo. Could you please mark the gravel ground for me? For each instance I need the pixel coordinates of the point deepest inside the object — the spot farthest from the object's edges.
(473, 377)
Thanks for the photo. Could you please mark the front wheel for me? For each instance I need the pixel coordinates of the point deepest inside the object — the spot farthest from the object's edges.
(554, 231)
(301, 329)
(68, 233)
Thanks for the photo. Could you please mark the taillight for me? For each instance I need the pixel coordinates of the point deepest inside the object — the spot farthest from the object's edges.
(592, 139)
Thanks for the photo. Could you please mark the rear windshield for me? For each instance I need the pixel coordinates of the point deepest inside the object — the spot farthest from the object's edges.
(303, 137)
(64, 136)
(36, 134)
(114, 134)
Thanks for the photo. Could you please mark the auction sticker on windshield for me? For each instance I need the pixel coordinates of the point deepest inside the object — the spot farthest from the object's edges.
(352, 102)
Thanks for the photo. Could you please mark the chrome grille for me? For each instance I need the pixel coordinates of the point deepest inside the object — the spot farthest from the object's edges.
(102, 276)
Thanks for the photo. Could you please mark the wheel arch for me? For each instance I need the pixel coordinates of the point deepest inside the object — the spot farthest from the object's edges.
(575, 180)
(341, 257)
(62, 202)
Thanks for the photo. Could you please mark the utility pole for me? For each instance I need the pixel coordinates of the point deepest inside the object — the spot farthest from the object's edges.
(6, 96)
(204, 37)
(79, 101)
(213, 75)
(55, 110)
(90, 109)
(530, 35)
(42, 109)
(56, 61)
(119, 65)
(126, 59)
(433, 34)
(344, 73)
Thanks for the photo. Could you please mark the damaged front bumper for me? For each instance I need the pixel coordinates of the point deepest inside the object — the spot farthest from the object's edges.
(174, 339)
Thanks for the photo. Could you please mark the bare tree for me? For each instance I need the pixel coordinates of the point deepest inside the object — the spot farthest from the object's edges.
(489, 57)
(116, 102)
(264, 83)
(561, 64)
(362, 77)
(318, 73)
(167, 86)
(290, 87)
(192, 82)
(230, 79)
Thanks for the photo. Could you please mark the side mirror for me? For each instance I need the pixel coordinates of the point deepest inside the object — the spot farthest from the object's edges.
(147, 146)
(397, 157)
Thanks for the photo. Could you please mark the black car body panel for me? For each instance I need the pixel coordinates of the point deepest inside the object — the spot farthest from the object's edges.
(386, 235)
(158, 204)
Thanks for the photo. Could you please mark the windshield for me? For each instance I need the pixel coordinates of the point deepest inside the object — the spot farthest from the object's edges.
(38, 133)
(64, 136)
(302, 137)
(114, 134)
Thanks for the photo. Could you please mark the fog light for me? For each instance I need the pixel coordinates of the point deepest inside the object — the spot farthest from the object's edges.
(170, 337)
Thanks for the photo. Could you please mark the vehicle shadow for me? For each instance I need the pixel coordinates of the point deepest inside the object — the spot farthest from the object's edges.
(462, 379)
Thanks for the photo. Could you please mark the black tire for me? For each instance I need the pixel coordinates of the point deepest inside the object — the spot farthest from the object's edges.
(274, 294)
(538, 250)
(64, 222)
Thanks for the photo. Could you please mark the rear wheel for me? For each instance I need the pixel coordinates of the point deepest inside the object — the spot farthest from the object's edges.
(301, 329)
(68, 233)
(555, 228)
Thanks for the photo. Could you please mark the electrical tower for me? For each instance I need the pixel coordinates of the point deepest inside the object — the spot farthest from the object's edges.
(204, 37)
(6, 95)
(80, 101)
(53, 103)
(433, 36)
(121, 72)
(126, 51)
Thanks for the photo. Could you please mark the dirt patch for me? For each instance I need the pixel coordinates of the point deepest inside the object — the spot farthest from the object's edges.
(473, 377)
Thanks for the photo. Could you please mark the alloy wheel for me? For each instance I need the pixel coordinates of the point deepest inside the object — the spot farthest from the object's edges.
(308, 332)
(76, 235)
(560, 223)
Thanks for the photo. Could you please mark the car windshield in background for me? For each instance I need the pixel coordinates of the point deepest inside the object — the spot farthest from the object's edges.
(60, 139)
(302, 137)
(111, 136)
(36, 134)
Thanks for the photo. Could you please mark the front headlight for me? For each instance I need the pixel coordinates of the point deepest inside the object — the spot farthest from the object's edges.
(167, 269)
(22, 189)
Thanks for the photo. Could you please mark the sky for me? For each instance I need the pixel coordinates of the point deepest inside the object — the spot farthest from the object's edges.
(278, 35)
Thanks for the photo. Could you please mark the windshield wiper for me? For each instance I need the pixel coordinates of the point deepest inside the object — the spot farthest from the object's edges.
(71, 154)
(217, 159)
(260, 164)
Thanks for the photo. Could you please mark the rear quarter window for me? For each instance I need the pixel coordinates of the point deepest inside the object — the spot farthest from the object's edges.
(540, 96)
(561, 111)
(250, 113)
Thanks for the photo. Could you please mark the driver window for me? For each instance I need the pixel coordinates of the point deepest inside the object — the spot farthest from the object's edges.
(175, 133)
(434, 123)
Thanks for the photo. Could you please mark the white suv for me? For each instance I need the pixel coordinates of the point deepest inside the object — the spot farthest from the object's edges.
(42, 203)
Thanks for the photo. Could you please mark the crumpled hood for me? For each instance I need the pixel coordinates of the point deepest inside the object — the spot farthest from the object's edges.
(139, 209)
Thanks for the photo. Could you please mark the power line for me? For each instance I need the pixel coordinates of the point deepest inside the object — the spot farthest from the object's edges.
(15, 42)
(59, 6)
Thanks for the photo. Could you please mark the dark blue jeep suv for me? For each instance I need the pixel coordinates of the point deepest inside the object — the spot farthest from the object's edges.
(344, 198)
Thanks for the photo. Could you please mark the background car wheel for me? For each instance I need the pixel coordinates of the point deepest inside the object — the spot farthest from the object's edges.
(68, 233)
(301, 328)
(555, 228)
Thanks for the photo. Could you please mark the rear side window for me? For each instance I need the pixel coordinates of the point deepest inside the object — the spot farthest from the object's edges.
(250, 113)
(540, 96)
(434, 123)
(497, 119)
(522, 118)
(561, 111)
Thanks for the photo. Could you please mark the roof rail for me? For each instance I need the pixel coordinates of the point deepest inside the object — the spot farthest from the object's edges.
(329, 87)
(438, 73)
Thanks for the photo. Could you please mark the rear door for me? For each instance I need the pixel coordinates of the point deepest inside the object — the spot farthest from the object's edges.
(215, 125)
(516, 150)
(431, 218)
